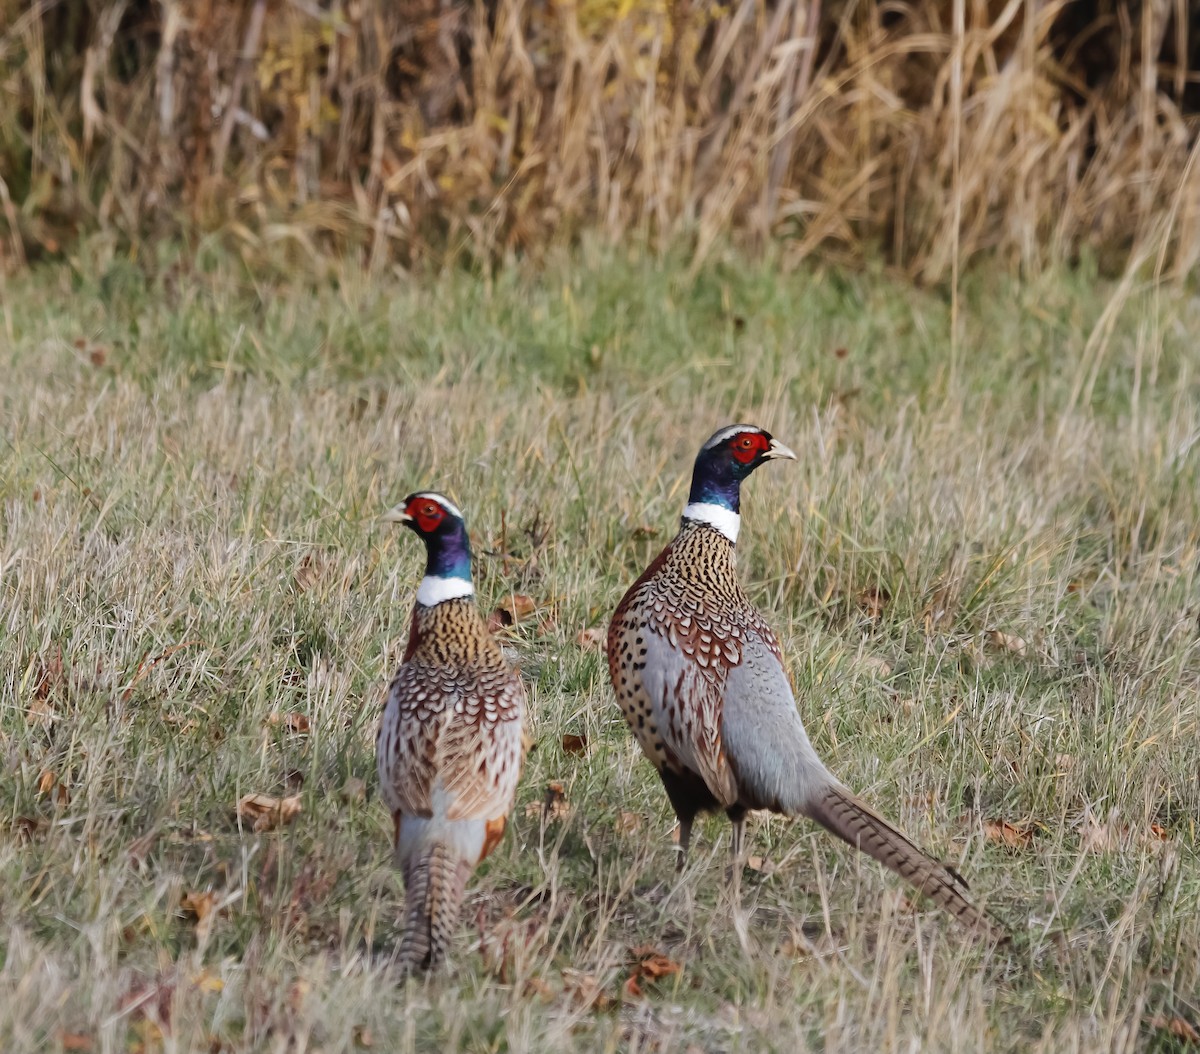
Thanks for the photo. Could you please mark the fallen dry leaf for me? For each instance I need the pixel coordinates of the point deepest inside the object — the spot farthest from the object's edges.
(148, 1003)
(511, 610)
(939, 611)
(307, 572)
(573, 744)
(1097, 837)
(648, 964)
(1011, 835)
(198, 905)
(140, 848)
(1177, 1026)
(52, 787)
(353, 790)
(73, 1040)
(873, 600)
(185, 725)
(539, 987)
(297, 723)
(1109, 836)
(148, 663)
(50, 685)
(655, 964)
(1008, 642)
(267, 813)
(190, 834)
(28, 827)
(553, 806)
(519, 606)
(202, 908)
(760, 864)
(555, 801)
(208, 982)
(878, 665)
(591, 639)
(628, 822)
(585, 990)
(150, 1036)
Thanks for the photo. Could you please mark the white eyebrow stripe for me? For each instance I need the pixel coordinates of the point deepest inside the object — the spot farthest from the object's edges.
(725, 433)
(441, 499)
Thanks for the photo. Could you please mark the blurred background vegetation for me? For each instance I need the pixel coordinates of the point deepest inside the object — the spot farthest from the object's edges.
(926, 131)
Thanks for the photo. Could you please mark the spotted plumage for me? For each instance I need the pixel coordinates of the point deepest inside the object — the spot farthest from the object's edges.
(449, 746)
(699, 676)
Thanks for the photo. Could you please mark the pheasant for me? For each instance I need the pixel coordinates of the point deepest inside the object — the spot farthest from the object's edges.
(700, 678)
(449, 749)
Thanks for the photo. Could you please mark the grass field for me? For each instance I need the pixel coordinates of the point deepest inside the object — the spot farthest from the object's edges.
(982, 569)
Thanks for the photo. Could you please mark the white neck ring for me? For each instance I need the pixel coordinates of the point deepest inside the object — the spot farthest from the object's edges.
(434, 589)
(718, 517)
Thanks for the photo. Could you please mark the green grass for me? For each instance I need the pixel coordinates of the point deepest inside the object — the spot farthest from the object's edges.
(192, 526)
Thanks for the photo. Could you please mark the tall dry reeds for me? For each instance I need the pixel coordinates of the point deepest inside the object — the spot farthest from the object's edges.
(932, 131)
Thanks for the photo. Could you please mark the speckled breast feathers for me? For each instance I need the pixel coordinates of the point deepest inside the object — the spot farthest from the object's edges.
(672, 642)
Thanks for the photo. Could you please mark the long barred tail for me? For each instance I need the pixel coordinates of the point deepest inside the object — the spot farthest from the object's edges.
(841, 813)
(434, 882)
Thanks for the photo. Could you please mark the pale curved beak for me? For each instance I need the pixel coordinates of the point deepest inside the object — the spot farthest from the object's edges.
(777, 449)
(396, 514)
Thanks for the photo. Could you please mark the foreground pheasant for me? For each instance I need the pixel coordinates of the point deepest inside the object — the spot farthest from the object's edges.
(699, 676)
(449, 746)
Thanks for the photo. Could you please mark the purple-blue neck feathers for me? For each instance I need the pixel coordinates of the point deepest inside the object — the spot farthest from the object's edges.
(717, 479)
(448, 550)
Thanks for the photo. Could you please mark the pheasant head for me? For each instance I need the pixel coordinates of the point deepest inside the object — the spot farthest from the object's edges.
(729, 456)
(440, 524)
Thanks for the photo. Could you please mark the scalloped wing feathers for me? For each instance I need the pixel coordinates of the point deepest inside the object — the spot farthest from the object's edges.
(449, 743)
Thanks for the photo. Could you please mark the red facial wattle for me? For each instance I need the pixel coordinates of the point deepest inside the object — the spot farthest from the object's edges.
(747, 446)
(427, 514)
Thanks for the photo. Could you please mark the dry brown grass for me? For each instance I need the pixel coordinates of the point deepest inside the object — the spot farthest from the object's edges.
(933, 131)
(985, 585)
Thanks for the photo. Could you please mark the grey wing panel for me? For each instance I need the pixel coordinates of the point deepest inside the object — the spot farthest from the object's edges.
(765, 741)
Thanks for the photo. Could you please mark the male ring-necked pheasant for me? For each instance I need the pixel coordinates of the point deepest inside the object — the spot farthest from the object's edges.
(449, 748)
(700, 678)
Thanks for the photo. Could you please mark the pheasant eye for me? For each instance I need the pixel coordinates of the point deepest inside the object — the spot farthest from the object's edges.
(428, 515)
(747, 446)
